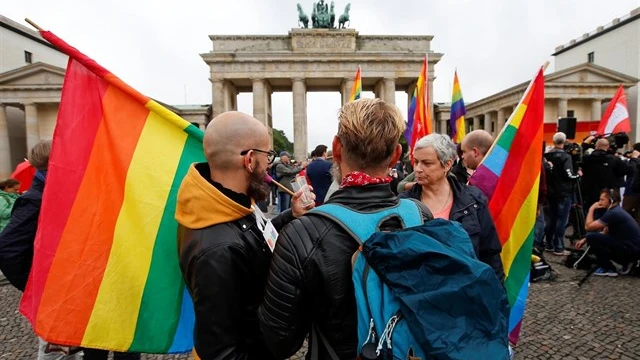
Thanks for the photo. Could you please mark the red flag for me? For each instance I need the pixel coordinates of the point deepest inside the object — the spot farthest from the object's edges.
(616, 118)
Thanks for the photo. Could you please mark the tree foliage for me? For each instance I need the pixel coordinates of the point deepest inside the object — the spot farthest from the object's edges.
(281, 142)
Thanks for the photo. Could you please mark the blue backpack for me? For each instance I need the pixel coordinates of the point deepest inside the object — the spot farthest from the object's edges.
(421, 293)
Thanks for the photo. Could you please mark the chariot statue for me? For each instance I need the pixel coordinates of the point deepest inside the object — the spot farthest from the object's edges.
(323, 16)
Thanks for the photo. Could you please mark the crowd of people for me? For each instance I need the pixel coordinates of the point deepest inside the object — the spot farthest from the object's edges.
(259, 284)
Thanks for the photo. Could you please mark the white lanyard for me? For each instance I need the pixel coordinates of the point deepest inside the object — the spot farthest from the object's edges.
(266, 227)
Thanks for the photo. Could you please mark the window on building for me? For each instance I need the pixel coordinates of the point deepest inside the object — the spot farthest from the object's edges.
(590, 57)
(570, 113)
(27, 57)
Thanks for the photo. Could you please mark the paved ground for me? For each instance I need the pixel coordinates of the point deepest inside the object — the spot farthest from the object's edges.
(599, 320)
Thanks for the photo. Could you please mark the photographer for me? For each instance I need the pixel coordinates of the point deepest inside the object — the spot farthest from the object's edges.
(601, 170)
(614, 236)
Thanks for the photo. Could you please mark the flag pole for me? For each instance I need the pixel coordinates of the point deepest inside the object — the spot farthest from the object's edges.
(33, 24)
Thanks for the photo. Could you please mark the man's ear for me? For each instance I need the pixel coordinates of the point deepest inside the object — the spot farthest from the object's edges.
(336, 146)
(397, 153)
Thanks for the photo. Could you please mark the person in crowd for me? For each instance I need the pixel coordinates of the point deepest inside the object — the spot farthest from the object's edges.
(449, 199)
(560, 187)
(631, 198)
(538, 232)
(459, 170)
(8, 195)
(223, 247)
(319, 173)
(613, 237)
(600, 170)
(475, 146)
(286, 172)
(310, 275)
(18, 236)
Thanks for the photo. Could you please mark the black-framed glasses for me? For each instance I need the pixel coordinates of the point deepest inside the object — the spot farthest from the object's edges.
(271, 154)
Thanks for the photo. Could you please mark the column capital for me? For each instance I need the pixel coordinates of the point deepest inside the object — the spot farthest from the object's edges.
(217, 80)
(298, 79)
(257, 79)
(389, 78)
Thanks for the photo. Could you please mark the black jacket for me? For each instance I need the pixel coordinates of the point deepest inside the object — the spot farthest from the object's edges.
(470, 209)
(310, 278)
(561, 178)
(600, 170)
(224, 261)
(17, 238)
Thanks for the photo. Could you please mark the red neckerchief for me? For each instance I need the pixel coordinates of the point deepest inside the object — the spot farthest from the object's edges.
(357, 178)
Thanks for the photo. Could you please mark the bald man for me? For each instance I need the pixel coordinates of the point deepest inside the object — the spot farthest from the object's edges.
(224, 254)
(474, 147)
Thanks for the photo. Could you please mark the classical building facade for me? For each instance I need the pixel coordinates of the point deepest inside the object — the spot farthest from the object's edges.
(579, 92)
(312, 60)
(615, 46)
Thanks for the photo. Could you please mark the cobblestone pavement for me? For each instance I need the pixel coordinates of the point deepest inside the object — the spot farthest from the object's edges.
(599, 320)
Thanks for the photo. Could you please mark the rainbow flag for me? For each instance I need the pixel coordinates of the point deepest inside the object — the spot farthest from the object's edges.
(357, 86)
(458, 127)
(419, 119)
(105, 268)
(509, 176)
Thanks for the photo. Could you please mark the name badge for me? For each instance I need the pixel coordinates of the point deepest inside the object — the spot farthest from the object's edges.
(266, 227)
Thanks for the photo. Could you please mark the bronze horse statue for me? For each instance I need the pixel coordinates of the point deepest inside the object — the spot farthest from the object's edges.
(344, 18)
(302, 17)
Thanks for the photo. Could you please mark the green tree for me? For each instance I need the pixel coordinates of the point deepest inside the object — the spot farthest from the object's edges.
(281, 142)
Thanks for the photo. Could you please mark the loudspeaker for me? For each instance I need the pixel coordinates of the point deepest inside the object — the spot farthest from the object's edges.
(568, 126)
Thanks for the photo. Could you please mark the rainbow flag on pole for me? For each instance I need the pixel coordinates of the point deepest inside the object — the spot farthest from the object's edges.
(419, 119)
(509, 176)
(458, 127)
(105, 268)
(357, 86)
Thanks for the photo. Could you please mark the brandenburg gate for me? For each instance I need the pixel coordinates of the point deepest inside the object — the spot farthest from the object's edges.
(318, 59)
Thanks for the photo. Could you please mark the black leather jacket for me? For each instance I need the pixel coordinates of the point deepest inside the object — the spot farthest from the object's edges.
(561, 179)
(310, 278)
(470, 209)
(225, 267)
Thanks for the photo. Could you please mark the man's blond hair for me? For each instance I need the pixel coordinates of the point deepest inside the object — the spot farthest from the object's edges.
(39, 156)
(369, 130)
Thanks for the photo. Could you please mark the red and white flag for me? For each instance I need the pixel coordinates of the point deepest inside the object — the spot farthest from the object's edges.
(616, 118)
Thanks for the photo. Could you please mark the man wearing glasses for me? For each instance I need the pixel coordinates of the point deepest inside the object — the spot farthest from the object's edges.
(222, 240)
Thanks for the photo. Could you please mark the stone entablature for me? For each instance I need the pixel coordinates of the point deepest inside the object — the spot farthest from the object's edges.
(312, 60)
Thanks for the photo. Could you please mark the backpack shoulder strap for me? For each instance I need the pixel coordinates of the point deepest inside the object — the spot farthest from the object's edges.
(361, 225)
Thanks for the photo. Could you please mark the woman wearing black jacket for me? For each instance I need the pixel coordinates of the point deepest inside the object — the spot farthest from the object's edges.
(449, 199)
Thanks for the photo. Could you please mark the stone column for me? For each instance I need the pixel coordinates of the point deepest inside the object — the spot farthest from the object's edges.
(562, 107)
(502, 117)
(488, 119)
(262, 103)
(443, 127)
(378, 90)
(5, 149)
(347, 86)
(596, 110)
(230, 96)
(389, 90)
(218, 97)
(31, 124)
(476, 122)
(299, 119)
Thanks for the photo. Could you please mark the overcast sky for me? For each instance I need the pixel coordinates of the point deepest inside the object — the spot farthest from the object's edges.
(154, 46)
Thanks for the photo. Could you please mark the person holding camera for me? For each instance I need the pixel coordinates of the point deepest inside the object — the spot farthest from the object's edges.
(614, 236)
(601, 170)
(631, 199)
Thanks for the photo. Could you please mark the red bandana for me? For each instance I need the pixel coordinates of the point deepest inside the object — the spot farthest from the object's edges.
(357, 178)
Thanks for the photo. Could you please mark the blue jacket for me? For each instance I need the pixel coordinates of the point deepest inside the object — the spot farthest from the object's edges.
(319, 173)
(470, 209)
(16, 240)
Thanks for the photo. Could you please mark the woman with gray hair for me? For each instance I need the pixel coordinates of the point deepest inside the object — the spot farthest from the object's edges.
(447, 198)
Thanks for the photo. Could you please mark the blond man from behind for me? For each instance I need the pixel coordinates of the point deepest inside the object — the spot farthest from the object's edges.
(310, 276)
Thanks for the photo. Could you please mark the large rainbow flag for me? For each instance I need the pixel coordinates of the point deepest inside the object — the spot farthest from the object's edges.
(105, 268)
(456, 121)
(419, 117)
(509, 176)
(357, 86)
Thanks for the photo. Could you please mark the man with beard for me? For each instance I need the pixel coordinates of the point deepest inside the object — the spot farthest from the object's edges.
(224, 254)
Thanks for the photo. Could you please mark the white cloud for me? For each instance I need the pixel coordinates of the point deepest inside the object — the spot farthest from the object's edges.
(155, 46)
